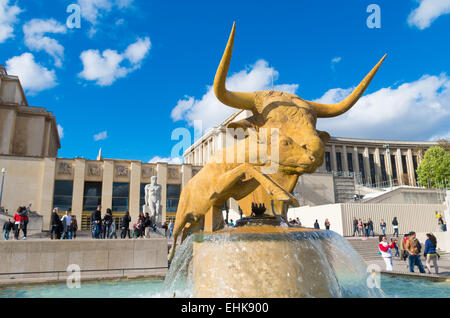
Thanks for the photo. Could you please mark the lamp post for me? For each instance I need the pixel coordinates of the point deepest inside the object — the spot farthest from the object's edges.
(1, 188)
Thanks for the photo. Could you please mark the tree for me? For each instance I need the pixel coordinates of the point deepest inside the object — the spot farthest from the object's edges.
(434, 170)
(444, 143)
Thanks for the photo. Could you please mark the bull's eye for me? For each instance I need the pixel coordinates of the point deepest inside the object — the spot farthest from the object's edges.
(285, 142)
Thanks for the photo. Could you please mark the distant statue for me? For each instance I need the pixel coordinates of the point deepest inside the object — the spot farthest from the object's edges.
(153, 201)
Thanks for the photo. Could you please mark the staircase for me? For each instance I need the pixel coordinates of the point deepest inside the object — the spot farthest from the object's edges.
(367, 248)
(344, 189)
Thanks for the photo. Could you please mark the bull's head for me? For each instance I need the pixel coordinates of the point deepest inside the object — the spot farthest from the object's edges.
(301, 145)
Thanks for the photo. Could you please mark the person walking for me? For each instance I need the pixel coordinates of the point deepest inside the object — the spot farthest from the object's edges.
(125, 228)
(107, 221)
(355, 226)
(316, 225)
(395, 226)
(383, 227)
(73, 228)
(385, 250)
(7, 227)
(25, 215)
(66, 220)
(327, 224)
(430, 253)
(413, 248)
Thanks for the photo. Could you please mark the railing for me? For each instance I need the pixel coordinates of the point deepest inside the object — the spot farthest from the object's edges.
(85, 271)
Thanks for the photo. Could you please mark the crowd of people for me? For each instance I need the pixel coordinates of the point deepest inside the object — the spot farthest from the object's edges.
(366, 227)
(19, 223)
(411, 251)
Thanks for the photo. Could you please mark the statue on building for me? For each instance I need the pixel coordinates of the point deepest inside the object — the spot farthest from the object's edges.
(153, 201)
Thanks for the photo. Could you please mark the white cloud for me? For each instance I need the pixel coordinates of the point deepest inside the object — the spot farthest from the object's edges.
(8, 17)
(101, 136)
(60, 132)
(445, 135)
(33, 76)
(336, 59)
(427, 12)
(175, 161)
(211, 112)
(34, 31)
(94, 10)
(411, 111)
(106, 68)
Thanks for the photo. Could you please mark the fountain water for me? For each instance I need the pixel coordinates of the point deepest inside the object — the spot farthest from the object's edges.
(268, 261)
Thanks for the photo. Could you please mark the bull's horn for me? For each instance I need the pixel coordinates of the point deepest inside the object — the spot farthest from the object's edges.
(333, 110)
(233, 99)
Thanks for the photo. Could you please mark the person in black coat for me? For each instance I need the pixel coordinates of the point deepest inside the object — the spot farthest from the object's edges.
(125, 228)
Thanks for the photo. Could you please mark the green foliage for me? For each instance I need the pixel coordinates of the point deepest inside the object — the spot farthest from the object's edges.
(434, 170)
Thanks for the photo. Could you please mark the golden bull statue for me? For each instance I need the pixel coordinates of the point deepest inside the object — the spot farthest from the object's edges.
(300, 150)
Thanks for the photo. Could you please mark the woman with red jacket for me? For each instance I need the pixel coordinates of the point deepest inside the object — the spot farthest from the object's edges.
(18, 222)
(385, 250)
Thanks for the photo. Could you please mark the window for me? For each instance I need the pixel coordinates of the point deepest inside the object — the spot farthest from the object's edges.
(121, 192)
(92, 196)
(328, 161)
(339, 161)
(394, 167)
(405, 167)
(361, 168)
(350, 161)
(383, 168)
(62, 197)
(173, 197)
(372, 168)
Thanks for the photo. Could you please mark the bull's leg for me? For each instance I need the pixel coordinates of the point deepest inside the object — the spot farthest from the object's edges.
(195, 226)
(180, 223)
(230, 178)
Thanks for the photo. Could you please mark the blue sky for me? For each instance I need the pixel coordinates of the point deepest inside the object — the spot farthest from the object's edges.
(138, 69)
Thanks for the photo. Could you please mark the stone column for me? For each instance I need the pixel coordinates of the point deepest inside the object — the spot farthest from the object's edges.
(345, 159)
(78, 188)
(161, 174)
(377, 160)
(107, 184)
(387, 156)
(7, 127)
(367, 165)
(186, 175)
(333, 158)
(412, 177)
(398, 159)
(135, 190)
(47, 188)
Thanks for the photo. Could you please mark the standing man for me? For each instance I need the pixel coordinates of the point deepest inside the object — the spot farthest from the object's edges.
(371, 228)
(125, 228)
(96, 219)
(355, 226)
(413, 247)
(107, 221)
(395, 225)
(383, 227)
(66, 220)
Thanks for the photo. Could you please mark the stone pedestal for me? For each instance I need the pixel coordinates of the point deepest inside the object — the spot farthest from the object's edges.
(257, 265)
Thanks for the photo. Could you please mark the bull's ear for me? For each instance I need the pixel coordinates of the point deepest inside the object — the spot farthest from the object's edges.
(324, 136)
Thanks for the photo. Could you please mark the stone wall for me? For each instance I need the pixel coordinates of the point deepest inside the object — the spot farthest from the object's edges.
(57, 255)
